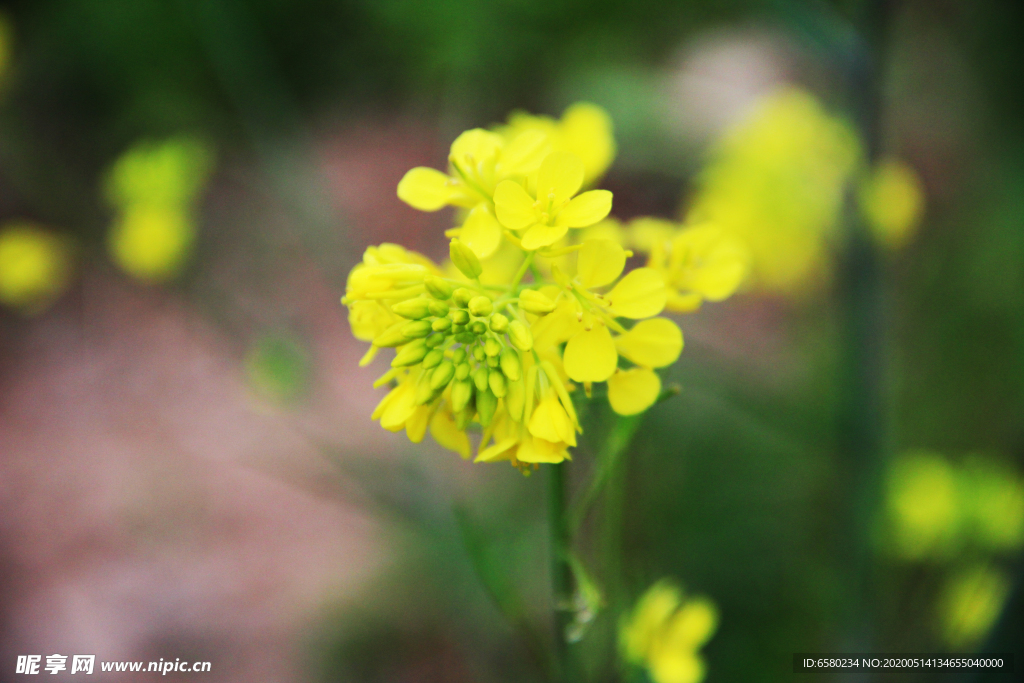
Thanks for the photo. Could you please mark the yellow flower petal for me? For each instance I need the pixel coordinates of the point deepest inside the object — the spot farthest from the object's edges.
(513, 205)
(426, 189)
(524, 153)
(474, 147)
(448, 435)
(536, 449)
(543, 235)
(590, 356)
(550, 422)
(586, 209)
(416, 424)
(399, 407)
(560, 177)
(481, 232)
(502, 450)
(676, 666)
(649, 618)
(599, 262)
(692, 625)
(633, 391)
(587, 133)
(640, 294)
(652, 343)
(557, 326)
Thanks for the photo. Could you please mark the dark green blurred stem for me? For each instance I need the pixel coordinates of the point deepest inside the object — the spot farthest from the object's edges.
(615, 448)
(861, 423)
(561, 572)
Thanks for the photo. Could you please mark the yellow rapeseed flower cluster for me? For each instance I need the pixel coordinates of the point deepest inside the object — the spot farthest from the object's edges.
(968, 516)
(778, 179)
(154, 188)
(664, 634)
(536, 301)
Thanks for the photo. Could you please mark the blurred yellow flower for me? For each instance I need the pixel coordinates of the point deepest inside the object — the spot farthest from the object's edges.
(892, 199)
(993, 498)
(154, 187)
(936, 508)
(151, 243)
(777, 180)
(35, 267)
(665, 633)
(971, 603)
(923, 506)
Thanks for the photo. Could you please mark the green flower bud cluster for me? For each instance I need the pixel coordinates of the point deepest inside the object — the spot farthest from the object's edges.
(461, 341)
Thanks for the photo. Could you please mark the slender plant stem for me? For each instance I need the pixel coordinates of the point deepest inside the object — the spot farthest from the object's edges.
(561, 572)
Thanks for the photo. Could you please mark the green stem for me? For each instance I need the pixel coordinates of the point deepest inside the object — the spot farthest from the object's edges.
(608, 466)
(561, 572)
(527, 262)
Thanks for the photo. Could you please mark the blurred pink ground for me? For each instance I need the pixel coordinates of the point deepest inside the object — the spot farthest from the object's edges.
(146, 511)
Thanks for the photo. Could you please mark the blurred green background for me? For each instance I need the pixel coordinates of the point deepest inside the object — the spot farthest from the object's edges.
(843, 469)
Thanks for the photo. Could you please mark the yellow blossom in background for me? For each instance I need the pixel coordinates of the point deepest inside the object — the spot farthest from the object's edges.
(892, 200)
(154, 188)
(923, 508)
(993, 500)
(35, 267)
(971, 602)
(665, 633)
(936, 508)
(535, 301)
(699, 263)
(777, 180)
(151, 243)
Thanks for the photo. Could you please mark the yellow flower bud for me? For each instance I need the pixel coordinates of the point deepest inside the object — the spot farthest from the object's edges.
(462, 392)
(438, 308)
(535, 302)
(433, 358)
(410, 354)
(462, 371)
(459, 316)
(510, 364)
(441, 324)
(438, 288)
(416, 329)
(486, 404)
(499, 323)
(478, 327)
(465, 259)
(478, 353)
(515, 399)
(413, 309)
(491, 347)
(480, 376)
(392, 336)
(458, 355)
(434, 340)
(442, 375)
(480, 306)
(520, 336)
(424, 392)
(462, 296)
(492, 361)
(496, 381)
